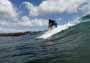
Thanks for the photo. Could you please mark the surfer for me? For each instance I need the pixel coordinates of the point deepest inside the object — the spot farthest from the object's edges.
(52, 23)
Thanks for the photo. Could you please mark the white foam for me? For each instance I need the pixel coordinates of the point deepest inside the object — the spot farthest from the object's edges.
(48, 34)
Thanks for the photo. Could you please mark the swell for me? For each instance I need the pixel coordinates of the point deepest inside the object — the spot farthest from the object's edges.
(83, 26)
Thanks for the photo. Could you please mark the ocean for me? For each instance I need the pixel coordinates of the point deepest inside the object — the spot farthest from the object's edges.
(68, 46)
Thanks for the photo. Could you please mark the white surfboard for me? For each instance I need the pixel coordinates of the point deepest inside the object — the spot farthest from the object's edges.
(48, 34)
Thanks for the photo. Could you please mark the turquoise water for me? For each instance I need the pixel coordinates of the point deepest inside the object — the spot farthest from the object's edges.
(69, 46)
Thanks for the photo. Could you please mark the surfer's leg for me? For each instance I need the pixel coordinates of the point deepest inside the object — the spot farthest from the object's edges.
(50, 27)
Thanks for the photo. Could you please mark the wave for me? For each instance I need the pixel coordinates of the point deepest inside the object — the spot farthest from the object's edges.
(48, 34)
(73, 43)
(81, 28)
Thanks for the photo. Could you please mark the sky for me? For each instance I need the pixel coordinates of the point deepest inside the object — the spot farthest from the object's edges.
(34, 14)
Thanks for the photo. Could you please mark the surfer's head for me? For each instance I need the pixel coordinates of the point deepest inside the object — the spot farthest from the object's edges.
(50, 20)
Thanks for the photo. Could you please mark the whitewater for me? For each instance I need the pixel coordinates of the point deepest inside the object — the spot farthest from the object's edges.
(60, 28)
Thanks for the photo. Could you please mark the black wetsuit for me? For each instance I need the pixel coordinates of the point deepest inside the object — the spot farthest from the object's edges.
(52, 23)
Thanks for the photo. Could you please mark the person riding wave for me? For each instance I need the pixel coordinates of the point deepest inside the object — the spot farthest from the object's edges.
(52, 23)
